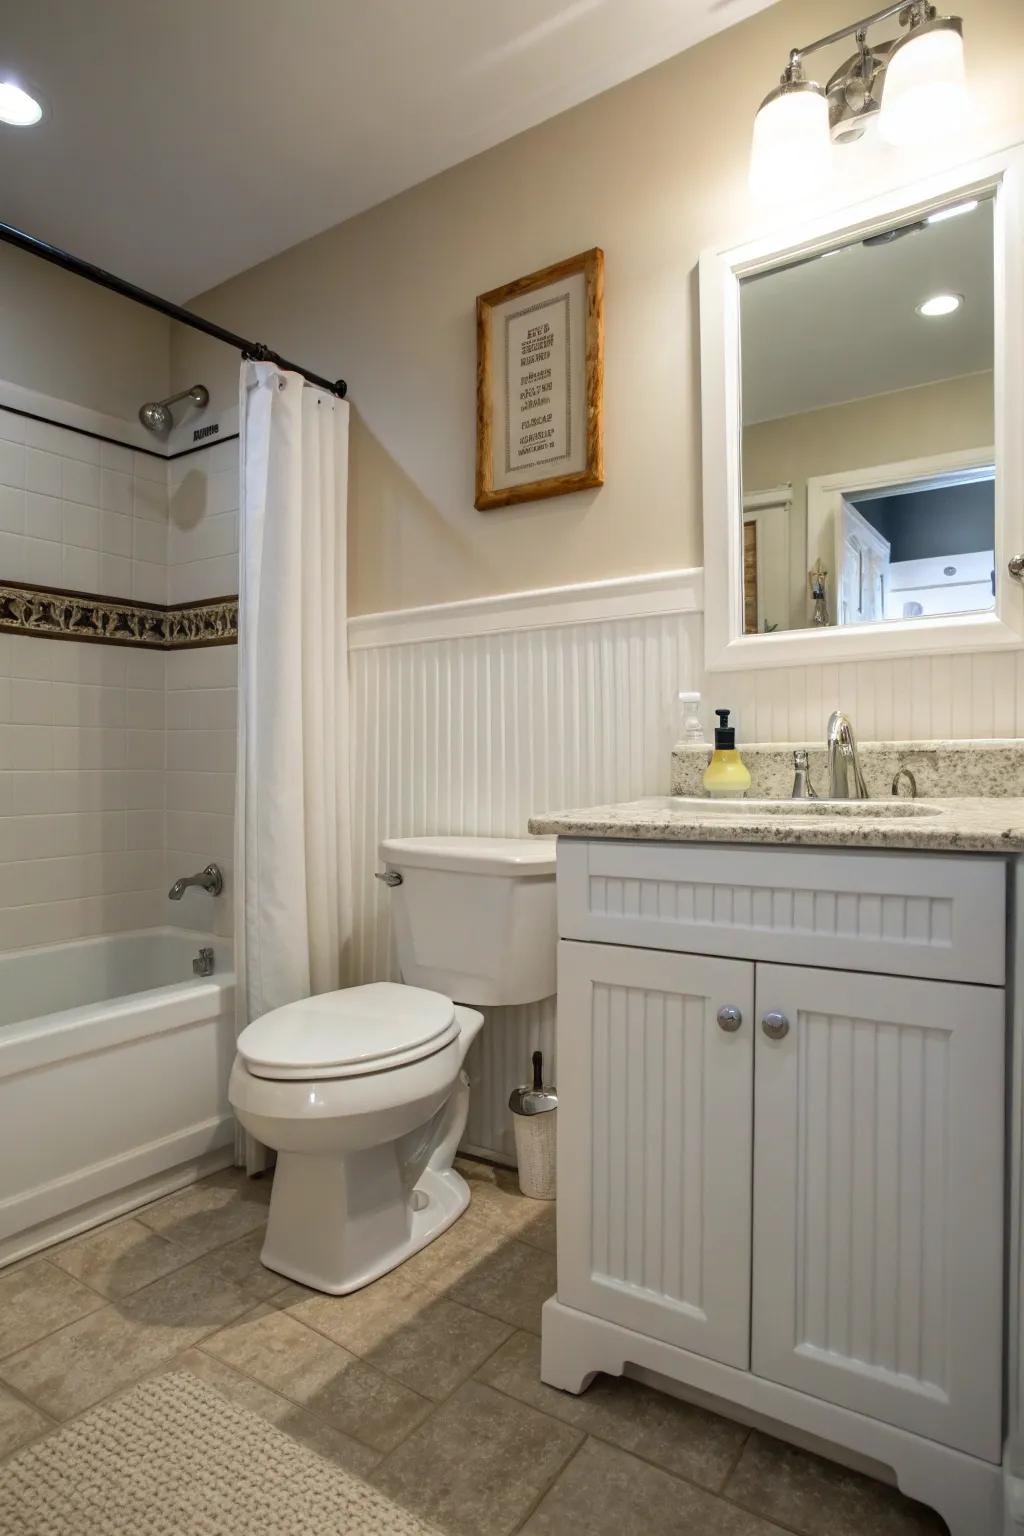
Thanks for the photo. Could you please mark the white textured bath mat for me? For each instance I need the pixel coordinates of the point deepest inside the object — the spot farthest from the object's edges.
(173, 1458)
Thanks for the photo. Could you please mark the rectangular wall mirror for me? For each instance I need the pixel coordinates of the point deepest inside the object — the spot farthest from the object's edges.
(861, 494)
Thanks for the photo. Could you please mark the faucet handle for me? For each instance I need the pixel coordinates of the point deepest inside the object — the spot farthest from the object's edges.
(803, 789)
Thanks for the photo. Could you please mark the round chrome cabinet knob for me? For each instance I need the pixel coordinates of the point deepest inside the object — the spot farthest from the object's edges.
(775, 1026)
(729, 1018)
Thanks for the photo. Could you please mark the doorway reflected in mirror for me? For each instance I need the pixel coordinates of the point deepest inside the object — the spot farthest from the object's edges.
(867, 427)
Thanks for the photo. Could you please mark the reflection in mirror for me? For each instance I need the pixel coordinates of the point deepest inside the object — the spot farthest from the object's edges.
(867, 410)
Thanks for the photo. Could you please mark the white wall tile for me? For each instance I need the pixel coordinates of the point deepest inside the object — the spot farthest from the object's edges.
(115, 576)
(12, 556)
(149, 498)
(63, 441)
(147, 466)
(145, 711)
(42, 562)
(12, 427)
(26, 746)
(42, 472)
(145, 669)
(114, 457)
(115, 534)
(80, 568)
(12, 464)
(12, 509)
(149, 541)
(115, 492)
(80, 524)
(80, 482)
(149, 581)
(43, 516)
(80, 746)
(31, 702)
(144, 749)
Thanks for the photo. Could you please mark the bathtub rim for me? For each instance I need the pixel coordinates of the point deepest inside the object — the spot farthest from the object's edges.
(47, 1038)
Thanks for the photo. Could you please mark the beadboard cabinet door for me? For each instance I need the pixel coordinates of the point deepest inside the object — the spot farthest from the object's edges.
(878, 1198)
(654, 1143)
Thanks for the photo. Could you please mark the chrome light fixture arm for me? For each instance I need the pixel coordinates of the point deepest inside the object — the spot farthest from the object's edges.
(852, 98)
(912, 13)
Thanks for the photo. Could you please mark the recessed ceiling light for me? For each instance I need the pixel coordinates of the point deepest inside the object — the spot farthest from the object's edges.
(940, 304)
(17, 107)
(942, 214)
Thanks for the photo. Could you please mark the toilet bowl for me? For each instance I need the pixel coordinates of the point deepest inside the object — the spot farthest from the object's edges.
(362, 1092)
(365, 1129)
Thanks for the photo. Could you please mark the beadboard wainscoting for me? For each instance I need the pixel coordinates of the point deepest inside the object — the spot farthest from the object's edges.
(467, 718)
(976, 694)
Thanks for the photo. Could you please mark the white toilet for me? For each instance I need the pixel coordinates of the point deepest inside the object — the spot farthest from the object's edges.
(361, 1092)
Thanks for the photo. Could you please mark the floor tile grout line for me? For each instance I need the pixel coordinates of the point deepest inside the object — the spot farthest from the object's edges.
(383, 1370)
(123, 1386)
(737, 1458)
(259, 1382)
(52, 1333)
(114, 1301)
(538, 1501)
(638, 1455)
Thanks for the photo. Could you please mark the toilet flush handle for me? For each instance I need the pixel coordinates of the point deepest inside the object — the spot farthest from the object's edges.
(390, 877)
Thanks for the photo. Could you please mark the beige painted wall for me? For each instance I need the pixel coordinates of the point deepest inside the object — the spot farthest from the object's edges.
(907, 424)
(654, 172)
(69, 339)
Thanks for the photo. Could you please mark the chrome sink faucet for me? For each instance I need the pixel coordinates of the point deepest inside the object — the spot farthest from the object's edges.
(845, 780)
(208, 879)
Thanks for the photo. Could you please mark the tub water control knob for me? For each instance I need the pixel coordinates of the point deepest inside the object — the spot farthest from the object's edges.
(729, 1018)
(775, 1026)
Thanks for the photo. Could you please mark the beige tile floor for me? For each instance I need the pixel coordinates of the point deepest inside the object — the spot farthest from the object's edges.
(426, 1383)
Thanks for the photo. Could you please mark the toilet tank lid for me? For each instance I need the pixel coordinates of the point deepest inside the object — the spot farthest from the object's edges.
(350, 1029)
(507, 856)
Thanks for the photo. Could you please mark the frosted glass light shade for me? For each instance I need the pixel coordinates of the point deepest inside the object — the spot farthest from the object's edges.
(924, 97)
(792, 151)
(17, 107)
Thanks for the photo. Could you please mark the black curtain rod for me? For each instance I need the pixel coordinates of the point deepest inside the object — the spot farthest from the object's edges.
(250, 349)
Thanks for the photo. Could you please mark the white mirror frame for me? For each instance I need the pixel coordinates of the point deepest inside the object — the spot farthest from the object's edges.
(726, 647)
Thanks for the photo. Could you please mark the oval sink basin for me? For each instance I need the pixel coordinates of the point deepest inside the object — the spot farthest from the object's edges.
(839, 809)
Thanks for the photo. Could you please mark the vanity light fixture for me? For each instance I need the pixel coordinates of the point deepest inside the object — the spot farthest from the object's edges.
(912, 87)
(17, 107)
(940, 304)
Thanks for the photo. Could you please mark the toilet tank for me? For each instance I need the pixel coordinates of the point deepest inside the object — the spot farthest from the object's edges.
(474, 917)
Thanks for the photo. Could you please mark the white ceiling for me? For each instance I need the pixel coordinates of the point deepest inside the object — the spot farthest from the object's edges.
(186, 140)
(845, 327)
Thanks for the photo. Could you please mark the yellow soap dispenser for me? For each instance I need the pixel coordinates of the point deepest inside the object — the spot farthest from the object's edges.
(726, 776)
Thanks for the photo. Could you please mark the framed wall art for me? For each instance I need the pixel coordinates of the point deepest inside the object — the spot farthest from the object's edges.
(540, 384)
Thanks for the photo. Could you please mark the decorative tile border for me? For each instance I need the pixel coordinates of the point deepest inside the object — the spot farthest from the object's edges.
(54, 614)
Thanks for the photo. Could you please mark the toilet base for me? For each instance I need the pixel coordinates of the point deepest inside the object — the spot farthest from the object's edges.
(337, 1223)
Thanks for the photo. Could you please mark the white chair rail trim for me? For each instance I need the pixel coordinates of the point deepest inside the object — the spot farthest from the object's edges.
(621, 597)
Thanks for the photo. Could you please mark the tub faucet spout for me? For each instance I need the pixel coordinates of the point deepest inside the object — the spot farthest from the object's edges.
(208, 879)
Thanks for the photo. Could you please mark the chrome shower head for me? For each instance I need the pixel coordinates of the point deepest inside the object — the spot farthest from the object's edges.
(156, 416)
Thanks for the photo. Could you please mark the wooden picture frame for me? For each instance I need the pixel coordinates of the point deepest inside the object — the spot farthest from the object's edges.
(545, 407)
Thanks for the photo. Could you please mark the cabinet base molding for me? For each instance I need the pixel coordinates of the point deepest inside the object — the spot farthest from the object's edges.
(968, 1493)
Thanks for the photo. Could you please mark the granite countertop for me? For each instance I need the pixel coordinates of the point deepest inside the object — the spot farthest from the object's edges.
(958, 823)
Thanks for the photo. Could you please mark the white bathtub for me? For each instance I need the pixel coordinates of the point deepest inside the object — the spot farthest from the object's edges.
(114, 1062)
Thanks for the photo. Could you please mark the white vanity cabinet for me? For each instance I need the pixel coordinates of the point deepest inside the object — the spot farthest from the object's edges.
(781, 1143)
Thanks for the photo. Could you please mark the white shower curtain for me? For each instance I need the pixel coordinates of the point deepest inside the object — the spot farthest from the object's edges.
(293, 907)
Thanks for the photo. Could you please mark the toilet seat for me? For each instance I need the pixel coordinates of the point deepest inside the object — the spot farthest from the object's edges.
(350, 1033)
